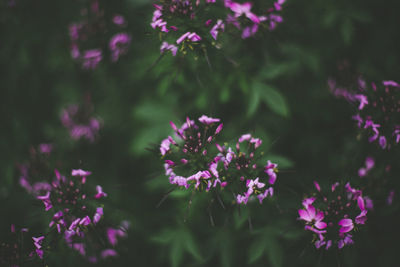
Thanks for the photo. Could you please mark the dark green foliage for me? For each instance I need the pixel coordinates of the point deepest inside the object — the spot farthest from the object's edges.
(274, 86)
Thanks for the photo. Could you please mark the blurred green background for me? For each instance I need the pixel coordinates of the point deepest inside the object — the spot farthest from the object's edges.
(277, 90)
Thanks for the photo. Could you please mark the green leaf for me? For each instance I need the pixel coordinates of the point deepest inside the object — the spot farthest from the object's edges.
(178, 241)
(256, 250)
(241, 218)
(273, 98)
(176, 253)
(254, 101)
(275, 252)
(347, 31)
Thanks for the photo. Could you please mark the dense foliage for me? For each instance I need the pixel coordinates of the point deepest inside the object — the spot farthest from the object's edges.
(88, 91)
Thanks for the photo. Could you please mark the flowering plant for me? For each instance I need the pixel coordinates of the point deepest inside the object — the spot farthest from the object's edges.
(196, 24)
(333, 215)
(196, 161)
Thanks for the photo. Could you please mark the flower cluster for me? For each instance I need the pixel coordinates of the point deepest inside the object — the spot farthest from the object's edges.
(193, 24)
(79, 121)
(369, 165)
(195, 160)
(18, 248)
(334, 215)
(76, 219)
(34, 175)
(88, 35)
(378, 109)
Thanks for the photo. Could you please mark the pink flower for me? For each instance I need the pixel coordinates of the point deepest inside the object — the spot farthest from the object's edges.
(244, 137)
(269, 191)
(242, 9)
(46, 201)
(391, 83)
(97, 216)
(362, 217)
(119, 45)
(113, 234)
(37, 241)
(85, 221)
(219, 26)
(311, 215)
(346, 225)
(316, 184)
(100, 192)
(191, 36)
(108, 253)
(363, 101)
(45, 148)
(199, 176)
(165, 145)
(168, 47)
(118, 20)
(382, 142)
(80, 172)
(208, 120)
(270, 169)
(91, 58)
(308, 201)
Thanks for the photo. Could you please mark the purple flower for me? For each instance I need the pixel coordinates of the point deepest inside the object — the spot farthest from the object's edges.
(119, 45)
(190, 36)
(390, 198)
(76, 118)
(346, 225)
(391, 83)
(45, 148)
(97, 216)
(369, 162)
(118, 20)
(165, 145)
(80, 172)
(311, 215)
(219, 26)
(262, 196)
(37, 241)
(85, 221)
(100, 192)
(242, 9)
(382, 142)
(335, 208)
(114, 234)
(91, 58)
(316, 184)
(362, 217)
(363, 101)
(108, 253)
(347, 240)
(308, 201)
(271, 169)
(46, 201)
(208, 120)
(168, 47)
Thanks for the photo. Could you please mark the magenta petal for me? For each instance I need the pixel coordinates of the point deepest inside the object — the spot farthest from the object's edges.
(304, 215)
(319, 216)
(345, 222)
(346, 229)
(320, 225)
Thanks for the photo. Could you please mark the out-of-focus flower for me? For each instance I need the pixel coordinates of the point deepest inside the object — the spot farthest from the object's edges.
(119, 45)
(172, 19)
(378, 111)
(86, 35)
(79, 122)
